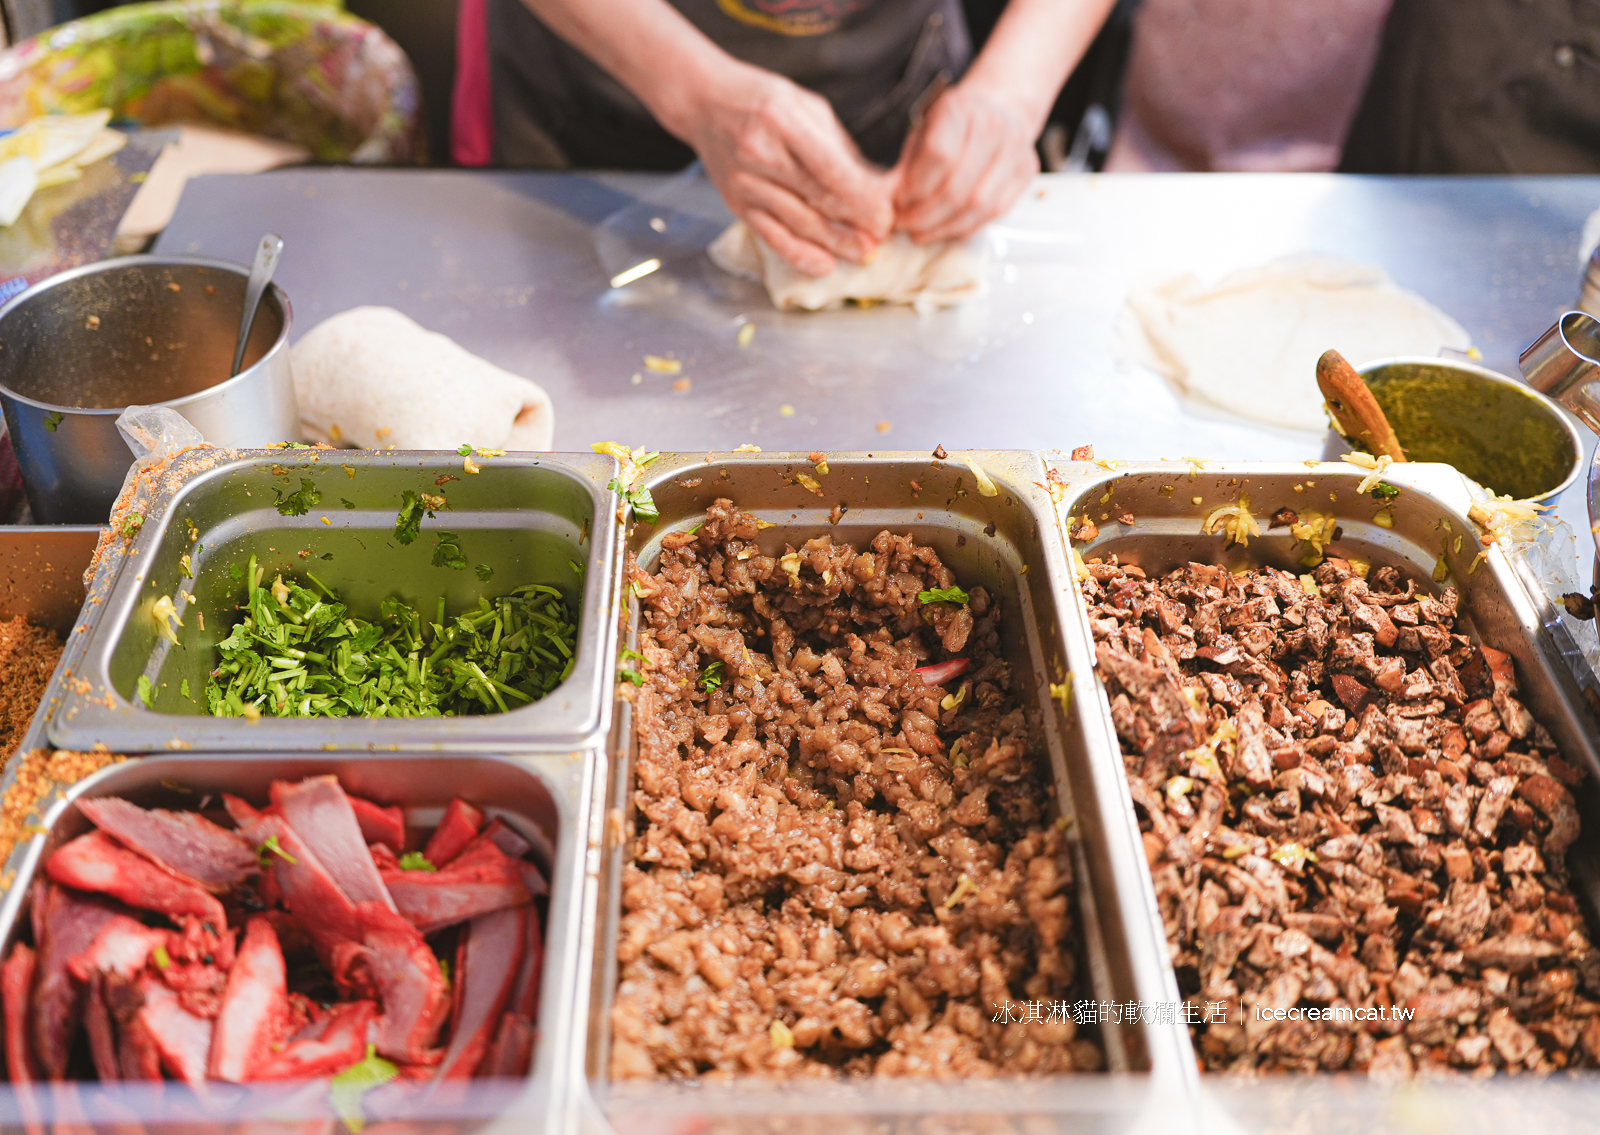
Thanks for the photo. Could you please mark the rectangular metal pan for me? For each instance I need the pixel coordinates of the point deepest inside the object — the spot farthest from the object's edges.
(532, 518)
(1168, 503)
(546, 798)
(41, 573)
(1009, 543)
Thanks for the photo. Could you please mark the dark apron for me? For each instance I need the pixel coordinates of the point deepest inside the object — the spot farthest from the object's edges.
(871, 59)
(1482, 86)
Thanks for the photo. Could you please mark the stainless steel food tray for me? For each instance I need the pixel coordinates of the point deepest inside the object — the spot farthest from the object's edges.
(1169, 501)
(533, 518)
(1010, 544)
(41, 573)
(545, 797)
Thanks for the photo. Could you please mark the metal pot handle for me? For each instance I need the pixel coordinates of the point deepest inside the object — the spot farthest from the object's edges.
(1564, 363)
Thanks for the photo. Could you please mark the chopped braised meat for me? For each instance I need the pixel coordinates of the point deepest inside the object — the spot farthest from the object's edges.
(835, 866)
(1348, 813)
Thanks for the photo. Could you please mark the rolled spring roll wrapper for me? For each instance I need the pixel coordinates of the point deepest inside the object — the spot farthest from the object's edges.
(374, 378)
(924, 276)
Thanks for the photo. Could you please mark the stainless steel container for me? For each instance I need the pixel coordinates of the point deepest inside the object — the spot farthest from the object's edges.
(78, 348)
(1010, 544)
(531, 518)
(1169, 502)
(1488, 425)
(41, 573)
(1564, 363)
(545, 798)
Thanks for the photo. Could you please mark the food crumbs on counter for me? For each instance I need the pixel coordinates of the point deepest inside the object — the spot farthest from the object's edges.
(747, 447)
(1197, 500)
(748, 787)
(92, 323)
(662, 365)
(681, 386)
(747, 333)
(786, 410)
(884, 427)
(637, 379)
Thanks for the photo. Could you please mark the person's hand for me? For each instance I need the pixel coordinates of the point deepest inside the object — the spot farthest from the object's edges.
(787, 168)
(965, 164)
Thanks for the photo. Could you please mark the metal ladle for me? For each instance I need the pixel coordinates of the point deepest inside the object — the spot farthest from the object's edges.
(266, 263)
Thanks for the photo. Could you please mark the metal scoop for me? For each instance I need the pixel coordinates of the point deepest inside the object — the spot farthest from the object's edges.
(260, 276)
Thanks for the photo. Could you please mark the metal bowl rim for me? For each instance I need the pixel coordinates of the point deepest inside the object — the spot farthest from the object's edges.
(1550, 405)
(100, 266)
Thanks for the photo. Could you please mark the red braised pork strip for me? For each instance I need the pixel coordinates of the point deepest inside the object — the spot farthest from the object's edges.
(136, 930)
(828, 871)
(1345, 806)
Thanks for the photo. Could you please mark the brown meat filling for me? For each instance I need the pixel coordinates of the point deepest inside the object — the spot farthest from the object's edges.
(1345, 806)
(829, 871)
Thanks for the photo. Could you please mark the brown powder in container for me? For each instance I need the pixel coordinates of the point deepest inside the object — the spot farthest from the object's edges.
(28, 656)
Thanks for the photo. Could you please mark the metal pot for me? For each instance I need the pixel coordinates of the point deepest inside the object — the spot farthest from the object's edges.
(1486, 424)
(80, 347)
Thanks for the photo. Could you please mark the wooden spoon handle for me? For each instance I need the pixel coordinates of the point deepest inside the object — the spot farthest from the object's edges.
(1354, 408)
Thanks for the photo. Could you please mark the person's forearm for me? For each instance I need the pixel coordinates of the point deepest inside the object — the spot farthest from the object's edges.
(1033, 49)
(647, 46)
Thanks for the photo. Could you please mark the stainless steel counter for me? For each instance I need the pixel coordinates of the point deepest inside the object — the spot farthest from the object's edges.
(505, 264)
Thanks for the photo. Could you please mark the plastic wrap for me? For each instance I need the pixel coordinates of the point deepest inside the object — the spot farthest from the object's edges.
(302, 72)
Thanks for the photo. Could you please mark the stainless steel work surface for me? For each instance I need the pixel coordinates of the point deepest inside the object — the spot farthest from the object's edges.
(505, 263)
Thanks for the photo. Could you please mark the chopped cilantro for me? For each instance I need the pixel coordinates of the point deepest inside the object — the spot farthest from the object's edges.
(711, 677)
(943, 595)
(147, 692)
(408, 522)
(52, 420)
(347, 503)
(326, 556)
(447, 552)
(632, 676)
(464, 451)
(575, 566)
(271, 848)
(416, 861)
(300, 502)
(132, 523)
(347, 1088)
(483, 572)
(298, 651)
(1384, 491)
(643, 504)
(236, 571)
(632, 656)
(183, 690)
